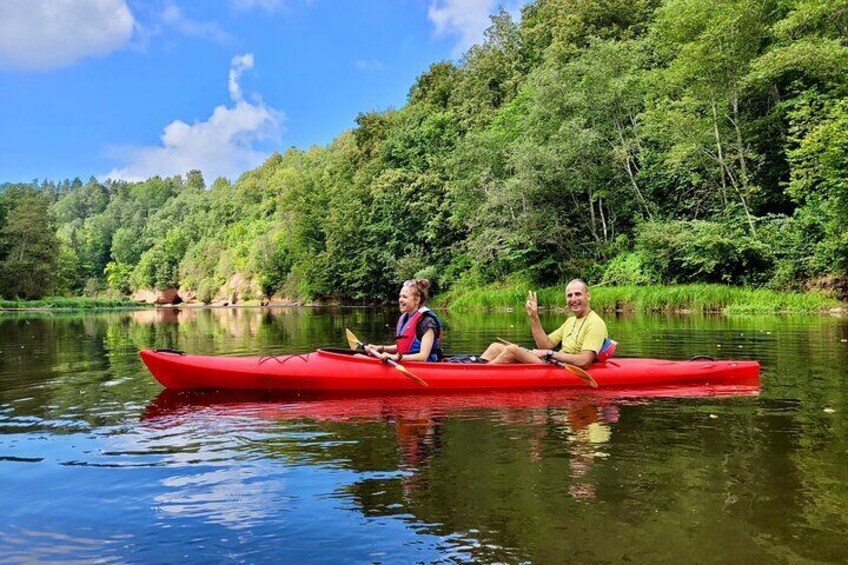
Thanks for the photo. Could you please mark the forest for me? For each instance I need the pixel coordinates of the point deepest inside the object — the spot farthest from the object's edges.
(627, 142)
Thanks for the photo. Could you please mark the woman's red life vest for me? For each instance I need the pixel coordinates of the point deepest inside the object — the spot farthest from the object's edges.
(407, 339)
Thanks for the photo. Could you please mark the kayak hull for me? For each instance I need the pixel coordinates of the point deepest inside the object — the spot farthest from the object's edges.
(329, 371)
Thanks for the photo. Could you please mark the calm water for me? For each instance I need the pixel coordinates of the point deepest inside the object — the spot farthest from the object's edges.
(97, 464)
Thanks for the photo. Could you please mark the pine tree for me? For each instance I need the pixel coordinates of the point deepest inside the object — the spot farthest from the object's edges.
(29, 249)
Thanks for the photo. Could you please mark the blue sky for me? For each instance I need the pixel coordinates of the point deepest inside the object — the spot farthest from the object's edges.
(134, 88)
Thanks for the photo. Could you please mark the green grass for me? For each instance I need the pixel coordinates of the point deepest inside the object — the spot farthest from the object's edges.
(694, 297)
(63, 303)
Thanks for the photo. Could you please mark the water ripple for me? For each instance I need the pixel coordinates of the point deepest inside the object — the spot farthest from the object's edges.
(95, 466)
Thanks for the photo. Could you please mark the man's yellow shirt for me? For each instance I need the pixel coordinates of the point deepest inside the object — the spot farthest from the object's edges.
(581, 334)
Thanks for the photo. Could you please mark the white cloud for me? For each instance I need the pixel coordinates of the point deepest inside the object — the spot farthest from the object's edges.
(267, 5)
(369, 65)
(169, 21)
(172, 16)
(48, 34)
(467, 19)
(222, 146)
(240, 64)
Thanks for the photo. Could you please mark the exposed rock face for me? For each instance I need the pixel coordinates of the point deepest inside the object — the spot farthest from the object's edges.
(158, 297)
(238, 289)
(187, 296)
(277, 300)
(169, 296)
(144, 295)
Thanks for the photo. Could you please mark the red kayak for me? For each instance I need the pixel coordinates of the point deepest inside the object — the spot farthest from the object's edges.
(340, 371)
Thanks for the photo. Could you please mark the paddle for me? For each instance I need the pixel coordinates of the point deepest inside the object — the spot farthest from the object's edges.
(354, 343)
(573, 369)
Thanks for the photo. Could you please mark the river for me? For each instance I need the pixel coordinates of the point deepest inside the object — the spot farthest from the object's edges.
(97, 464)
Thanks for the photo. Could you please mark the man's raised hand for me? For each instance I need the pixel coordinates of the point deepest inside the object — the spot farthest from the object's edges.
(532, 304)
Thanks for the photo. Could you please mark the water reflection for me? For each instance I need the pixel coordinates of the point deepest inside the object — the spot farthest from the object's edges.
(590, 428)
(417, 428)
(394, 447)
(235, 497)
(91, 449)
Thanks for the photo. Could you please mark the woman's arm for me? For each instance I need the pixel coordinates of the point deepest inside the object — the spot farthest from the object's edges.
(381, 348)
(427, 341)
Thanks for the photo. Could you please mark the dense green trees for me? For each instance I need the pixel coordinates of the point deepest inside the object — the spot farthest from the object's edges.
(647, 141)
(28, 246)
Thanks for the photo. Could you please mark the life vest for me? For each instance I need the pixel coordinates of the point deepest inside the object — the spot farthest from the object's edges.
(607, 350)
(407, 339)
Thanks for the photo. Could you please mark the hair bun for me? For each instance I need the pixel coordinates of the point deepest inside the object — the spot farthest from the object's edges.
(423, 284)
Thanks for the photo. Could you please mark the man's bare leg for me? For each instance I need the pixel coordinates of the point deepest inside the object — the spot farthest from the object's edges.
(515, 354)
(493, 351)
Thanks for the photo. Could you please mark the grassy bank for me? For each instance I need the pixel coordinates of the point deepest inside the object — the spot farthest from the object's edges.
(695, 298)
(64, 303)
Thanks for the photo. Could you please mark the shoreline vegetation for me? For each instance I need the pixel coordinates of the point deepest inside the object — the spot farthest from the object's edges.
(58, 303)
(689, 298)
(692, 298)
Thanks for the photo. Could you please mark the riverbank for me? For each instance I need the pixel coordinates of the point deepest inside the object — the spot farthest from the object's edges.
(71, 303)
(701, 298)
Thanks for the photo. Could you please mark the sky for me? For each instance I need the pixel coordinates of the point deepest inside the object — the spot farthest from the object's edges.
(129, 89)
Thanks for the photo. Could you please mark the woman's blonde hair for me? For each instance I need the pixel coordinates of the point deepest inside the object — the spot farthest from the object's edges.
(421, 287)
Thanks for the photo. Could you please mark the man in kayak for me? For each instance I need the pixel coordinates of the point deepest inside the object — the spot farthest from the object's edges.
(419, 330)
(584, 336)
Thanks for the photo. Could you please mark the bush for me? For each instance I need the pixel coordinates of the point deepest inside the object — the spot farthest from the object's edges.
(118, 276)
(92, 288)
(206, 290)
(272, 262)
(199, 263)
(702, 251)
(626, 269)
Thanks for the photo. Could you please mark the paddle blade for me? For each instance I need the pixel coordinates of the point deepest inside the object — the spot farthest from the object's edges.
(580, 373)
(573, 369)
(408, 373)
(352, 341)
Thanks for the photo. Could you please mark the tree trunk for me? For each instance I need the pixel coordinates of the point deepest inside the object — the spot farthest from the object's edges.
(629, 170)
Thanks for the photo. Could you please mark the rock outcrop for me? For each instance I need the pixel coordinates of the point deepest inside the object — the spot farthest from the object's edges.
(158, 297)
(236, 290)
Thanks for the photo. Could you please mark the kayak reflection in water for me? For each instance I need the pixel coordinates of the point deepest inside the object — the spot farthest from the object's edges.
(584, 336)
(419, 330)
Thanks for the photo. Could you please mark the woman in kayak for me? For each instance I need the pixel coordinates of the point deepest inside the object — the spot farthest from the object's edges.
(419, 330)
(583, 336)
